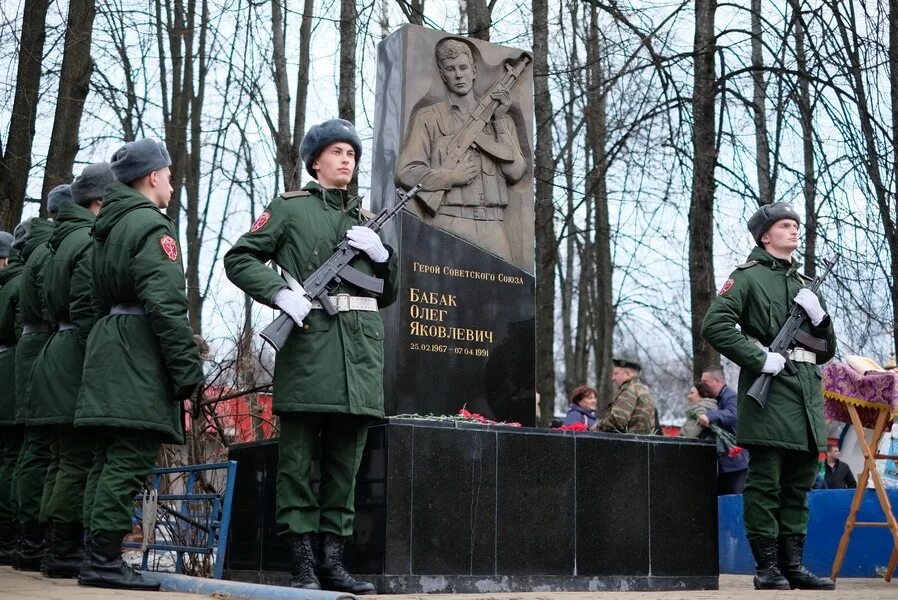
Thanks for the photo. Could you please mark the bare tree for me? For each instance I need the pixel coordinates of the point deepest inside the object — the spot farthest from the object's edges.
(346, 98)
(765, 185)
(480, 18)
(413, 10)
(16, 163)
(74, 82)
(701, 206)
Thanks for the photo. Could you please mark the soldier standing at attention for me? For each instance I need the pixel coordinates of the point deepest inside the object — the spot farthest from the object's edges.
(140, 361)
(67, 296)
(632, 410)
(328, 377)
(785, 437)
(10, 332)
(35, 455)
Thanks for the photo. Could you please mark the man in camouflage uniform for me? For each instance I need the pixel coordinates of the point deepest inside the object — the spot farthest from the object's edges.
(632, 410)
(784, 437)
(10, 433)
(35, 456)
(69, 303)
(328, 377)
(140, 361)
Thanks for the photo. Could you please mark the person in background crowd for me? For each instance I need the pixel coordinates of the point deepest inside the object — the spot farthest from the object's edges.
(731, 470)
(632, 410)
(838, 474)
(583, 407)
(699, 406)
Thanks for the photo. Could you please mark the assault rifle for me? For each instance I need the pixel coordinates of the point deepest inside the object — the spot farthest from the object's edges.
(788, 336)
(333, 271)
(473, 126)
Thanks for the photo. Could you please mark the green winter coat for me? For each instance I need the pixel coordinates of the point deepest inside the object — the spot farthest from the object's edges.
(758, 297)
(10, 332)
(137, 368)
(31, 304)
(330, 364)
(67, 296)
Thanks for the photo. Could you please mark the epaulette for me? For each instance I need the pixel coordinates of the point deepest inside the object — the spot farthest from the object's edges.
(295, 194)
(366, 214)
(747, 265)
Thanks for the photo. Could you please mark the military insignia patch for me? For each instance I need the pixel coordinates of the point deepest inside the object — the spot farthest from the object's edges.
(260, 222)
(170, 247)
(727, 286)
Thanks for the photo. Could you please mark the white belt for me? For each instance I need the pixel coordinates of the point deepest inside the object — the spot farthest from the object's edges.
(345, 302)
(802, 355)
(795, 354)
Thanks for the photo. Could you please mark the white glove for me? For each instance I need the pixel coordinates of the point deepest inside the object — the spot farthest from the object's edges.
(774, 364)
(369, 242)
(294, 304)
(811, 304)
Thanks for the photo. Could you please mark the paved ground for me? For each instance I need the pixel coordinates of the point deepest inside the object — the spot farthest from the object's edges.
(30, 586)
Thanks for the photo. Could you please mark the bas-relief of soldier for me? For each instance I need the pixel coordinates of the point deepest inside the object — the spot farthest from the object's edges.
(468, 198)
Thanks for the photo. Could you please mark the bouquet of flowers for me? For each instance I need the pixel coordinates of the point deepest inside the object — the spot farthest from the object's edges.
(574, 427)
(726, 442)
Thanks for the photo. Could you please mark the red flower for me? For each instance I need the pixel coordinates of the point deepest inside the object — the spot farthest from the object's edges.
(734, 451)
(574, 427)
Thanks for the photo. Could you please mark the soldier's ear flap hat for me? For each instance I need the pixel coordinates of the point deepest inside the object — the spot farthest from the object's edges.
(91, 184)
(321, 136)
(20, 233)
(6, 240)
(138, 159)
(767, 215)
(627, 363)
(58, 196)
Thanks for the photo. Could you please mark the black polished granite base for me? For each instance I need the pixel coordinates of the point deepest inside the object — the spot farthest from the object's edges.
(471, 508)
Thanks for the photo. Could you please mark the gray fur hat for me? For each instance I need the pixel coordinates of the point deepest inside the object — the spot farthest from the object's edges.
(6, 240)
(91, 183)
(58, 196)
(320, 136)
(20, 233)
(767, 215)
(137, 159)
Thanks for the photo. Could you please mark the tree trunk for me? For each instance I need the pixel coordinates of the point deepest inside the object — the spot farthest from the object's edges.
(701, 206)
(192, 174)
(596, 135)
(546, 244)
(74, 83)
(765, 186)
(480, 18)
(302, 91)
(809, 185)
(346, 97)
(283, 138)
(16, 162)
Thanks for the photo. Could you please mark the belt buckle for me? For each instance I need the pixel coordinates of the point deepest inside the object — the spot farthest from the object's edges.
(342, 302)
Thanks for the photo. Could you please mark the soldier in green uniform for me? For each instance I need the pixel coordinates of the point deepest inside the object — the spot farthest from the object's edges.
(328, 377)
(67, 296)
(785, 436)
(10, 434)
(632, 410)
(35, 455)
(140, 361)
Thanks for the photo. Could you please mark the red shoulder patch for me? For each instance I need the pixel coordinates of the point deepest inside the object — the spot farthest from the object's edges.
(170, 247)
(260, 222)
(727, 286)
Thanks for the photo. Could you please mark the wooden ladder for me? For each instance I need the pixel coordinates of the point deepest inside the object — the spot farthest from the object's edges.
(871, 455)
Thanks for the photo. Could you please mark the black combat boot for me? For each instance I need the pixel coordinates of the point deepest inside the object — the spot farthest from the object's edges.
(29, 547)
(333, 574)
(303, 563)
(105, 567)
(791, 548)
(767, 574)
(65, 551)
(7, 541)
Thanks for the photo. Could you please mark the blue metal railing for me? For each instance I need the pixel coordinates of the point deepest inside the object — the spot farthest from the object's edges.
(202, 519)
